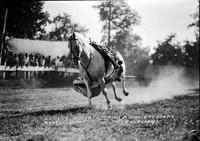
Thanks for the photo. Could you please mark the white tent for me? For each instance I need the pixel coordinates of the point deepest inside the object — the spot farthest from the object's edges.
(46, 48)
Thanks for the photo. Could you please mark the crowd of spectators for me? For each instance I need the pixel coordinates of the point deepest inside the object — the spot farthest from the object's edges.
(35, 60)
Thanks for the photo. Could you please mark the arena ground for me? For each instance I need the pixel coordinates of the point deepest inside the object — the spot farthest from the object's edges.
(59, 114)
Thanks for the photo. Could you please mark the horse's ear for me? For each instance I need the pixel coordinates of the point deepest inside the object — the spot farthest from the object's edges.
(73, 34)
(67, 36)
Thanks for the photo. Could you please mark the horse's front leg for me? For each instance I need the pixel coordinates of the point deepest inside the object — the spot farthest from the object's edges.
(102, 84)
(123, 86)
(89, 91)
(114, 90)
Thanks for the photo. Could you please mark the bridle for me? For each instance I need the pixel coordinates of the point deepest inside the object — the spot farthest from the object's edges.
(77, 58)
(74, 57)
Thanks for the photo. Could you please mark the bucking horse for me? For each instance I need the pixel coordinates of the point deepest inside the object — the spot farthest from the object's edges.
(96, 69)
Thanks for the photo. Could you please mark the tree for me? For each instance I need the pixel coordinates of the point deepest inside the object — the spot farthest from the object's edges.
(118, 22)
(126, 42)
(63, 26)
(195, 24)
(191, 54)
(118, 19)
(192, 49)
(25, 18)
(168, 52)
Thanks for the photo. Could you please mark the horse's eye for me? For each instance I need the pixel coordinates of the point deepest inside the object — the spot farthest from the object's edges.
(76, 47)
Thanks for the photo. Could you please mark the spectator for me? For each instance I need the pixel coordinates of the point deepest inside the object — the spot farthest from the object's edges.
(31, 60)
(57, 60)
(52, 63)
(21, 59)
(10, 59)
(36, 61)
(27, 60)
(65, 61)
(48, 61)
(40, 60)
(15, 61)
(43, 61)
(6, 59)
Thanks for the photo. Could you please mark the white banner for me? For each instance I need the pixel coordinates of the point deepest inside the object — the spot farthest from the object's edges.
(46, 48)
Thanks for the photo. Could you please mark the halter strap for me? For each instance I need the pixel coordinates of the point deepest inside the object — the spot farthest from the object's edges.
(85, 68)
(76, 57)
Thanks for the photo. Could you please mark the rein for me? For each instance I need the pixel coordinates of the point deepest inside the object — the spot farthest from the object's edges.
(74, 56)
(85, 68)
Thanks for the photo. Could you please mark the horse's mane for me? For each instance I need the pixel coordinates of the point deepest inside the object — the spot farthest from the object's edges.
(82, 39)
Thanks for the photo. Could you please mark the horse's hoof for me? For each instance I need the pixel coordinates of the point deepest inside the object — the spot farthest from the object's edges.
(126, 93)
(118, 99)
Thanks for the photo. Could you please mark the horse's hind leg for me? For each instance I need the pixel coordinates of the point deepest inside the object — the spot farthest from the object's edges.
(123, 85)
(89, 91)
(105, 94)
(102, 84)
(114, 90)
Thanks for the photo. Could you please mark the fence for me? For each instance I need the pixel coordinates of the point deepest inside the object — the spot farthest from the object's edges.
(30, 72)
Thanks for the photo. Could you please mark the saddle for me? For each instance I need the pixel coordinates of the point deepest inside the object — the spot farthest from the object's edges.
(108, 54)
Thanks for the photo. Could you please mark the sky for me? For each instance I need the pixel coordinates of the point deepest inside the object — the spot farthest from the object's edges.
(159, 18)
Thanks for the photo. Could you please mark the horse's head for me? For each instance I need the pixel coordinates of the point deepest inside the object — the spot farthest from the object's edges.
(74, 46)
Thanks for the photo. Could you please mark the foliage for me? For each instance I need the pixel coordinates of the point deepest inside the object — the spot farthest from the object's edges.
(186, 55)
(62, 26)
(125, 42)
(167, 52)
(121, 18)
(195, 23)
(171, 53)
(192, 50)
(25, 19)
(191, 54)
(136, 57)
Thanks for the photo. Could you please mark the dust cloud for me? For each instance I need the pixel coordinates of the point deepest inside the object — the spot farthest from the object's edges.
(170, 81)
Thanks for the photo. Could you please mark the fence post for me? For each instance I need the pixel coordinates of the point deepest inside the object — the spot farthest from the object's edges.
(4, 75)
(3, 33)
(28, 75)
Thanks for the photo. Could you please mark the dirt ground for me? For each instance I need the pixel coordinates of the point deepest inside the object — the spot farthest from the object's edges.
(60, 114)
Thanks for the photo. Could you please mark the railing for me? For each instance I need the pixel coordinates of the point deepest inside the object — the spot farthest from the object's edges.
(70, 70)
(27, 72)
